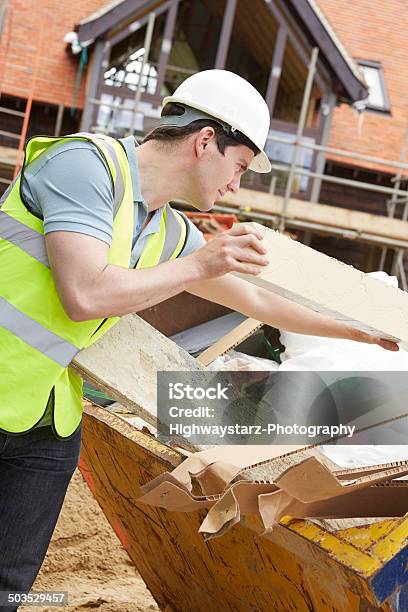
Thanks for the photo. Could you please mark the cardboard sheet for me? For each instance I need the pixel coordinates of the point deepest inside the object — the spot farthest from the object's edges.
(299, 482)
(237, 457)
(311, 481)
(229, 341)
(240, 500)
(172, 497)
(386, 501)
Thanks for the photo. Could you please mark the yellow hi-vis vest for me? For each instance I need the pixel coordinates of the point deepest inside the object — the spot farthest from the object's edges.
(37, 338)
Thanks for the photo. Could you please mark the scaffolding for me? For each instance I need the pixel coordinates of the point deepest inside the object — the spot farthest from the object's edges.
(396, 204)
(399, 196)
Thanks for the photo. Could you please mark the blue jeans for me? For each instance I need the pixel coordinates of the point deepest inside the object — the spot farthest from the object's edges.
(35, 470)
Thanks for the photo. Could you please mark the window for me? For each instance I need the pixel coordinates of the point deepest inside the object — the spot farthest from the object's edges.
(377, 97)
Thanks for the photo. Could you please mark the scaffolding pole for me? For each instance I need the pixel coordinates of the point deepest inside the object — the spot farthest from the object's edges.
(138, 92)
(398, 263)
(299, 133)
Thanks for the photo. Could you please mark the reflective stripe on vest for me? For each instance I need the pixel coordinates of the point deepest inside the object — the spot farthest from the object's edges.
(35, 335)
(167, 243)
(27, 239)
(174, 230)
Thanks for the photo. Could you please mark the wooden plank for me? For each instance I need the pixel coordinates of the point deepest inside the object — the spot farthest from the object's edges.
(326, 285)
(331, 216)
(125, 361)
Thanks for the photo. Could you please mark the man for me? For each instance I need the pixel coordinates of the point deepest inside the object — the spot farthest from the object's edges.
(86, 236)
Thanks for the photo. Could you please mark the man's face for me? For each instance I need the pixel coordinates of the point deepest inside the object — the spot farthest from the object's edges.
(218, 174)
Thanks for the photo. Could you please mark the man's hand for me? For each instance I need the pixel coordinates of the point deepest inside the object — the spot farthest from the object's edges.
(239, 249)
(360, 336)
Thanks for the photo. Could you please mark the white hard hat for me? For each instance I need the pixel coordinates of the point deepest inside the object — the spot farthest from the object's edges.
(228, 97)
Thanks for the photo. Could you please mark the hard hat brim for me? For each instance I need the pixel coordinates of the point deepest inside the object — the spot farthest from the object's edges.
(260, 163)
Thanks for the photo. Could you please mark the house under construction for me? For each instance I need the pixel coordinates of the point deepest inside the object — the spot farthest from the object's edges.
(101, 67)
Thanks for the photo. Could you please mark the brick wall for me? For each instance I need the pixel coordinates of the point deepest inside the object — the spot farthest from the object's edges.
(373, 31)
(20, 41)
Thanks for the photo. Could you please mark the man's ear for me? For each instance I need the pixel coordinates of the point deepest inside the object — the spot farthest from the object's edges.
(203, 139)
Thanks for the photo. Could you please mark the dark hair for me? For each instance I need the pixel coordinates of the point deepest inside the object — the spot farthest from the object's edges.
(168, 133)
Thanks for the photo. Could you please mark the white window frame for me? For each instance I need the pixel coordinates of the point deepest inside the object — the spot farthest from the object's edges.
(377, 66)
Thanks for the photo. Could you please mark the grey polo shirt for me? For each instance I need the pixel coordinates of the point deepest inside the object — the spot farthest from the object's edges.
(70, 187)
